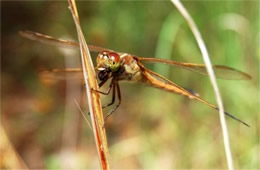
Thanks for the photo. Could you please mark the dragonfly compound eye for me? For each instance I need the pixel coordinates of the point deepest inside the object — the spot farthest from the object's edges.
(114, 61)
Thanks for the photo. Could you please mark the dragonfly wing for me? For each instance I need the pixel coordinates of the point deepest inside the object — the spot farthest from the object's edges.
(46, 39)
(222, 72)
(153, 79)
(61, 74)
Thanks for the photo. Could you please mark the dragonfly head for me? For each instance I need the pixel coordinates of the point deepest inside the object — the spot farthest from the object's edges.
(107, 60)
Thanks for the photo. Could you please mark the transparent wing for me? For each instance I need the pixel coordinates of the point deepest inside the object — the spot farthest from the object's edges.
(222, 72)
(46, 39)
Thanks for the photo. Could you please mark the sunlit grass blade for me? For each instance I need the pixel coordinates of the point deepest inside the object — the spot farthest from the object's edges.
(208, 64)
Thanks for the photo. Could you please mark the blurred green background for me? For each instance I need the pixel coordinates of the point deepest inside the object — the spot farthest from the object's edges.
(151, 128)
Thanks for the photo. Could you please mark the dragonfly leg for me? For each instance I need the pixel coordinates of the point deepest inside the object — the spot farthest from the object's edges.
(101, 84)
(119, 101)
(105, 93)
(113, 98)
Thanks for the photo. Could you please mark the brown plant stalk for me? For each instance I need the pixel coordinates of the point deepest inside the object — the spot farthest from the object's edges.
(94, 103)
(9, 158)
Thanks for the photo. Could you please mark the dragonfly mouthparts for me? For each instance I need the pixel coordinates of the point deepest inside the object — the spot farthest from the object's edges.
(101, 68)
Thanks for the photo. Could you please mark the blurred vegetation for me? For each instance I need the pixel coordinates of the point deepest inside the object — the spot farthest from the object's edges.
(151, 128)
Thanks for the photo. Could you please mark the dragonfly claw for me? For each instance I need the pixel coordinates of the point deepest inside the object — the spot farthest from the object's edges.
(93, 90)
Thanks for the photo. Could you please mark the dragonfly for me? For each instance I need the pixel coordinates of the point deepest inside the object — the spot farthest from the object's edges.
(118, 66)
